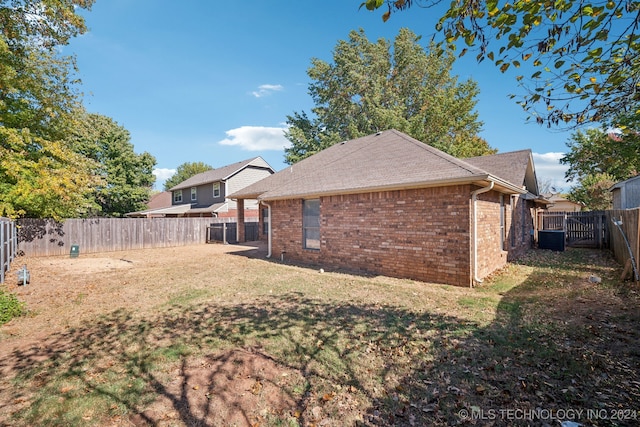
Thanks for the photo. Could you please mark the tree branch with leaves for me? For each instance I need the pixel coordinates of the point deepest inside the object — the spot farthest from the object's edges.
(586, 54)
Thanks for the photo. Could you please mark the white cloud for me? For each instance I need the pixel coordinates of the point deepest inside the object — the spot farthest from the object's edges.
(549, 168)
(162, 174)
(257, 138)
(264, 90)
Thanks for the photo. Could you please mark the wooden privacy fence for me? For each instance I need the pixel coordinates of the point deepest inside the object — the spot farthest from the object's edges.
(40, 237)
(582, 229)
(625, 236)
(8, 245)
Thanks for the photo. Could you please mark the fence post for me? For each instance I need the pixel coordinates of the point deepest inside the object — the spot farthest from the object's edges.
(8, 245)
(14, 240)
(637, 245)
(2, 250)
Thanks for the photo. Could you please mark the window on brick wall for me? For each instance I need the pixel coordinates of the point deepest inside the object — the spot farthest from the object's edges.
(513, 221)
(265, 221)
(311, 224)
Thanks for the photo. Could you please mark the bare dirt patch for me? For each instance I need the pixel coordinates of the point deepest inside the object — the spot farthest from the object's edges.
(237, 387)
(65, 292)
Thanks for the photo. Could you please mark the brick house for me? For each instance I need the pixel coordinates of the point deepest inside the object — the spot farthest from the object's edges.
(389, 204)
(206, 194)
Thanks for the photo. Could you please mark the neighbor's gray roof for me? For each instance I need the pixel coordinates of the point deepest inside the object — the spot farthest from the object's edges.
(515, 167)
(623, 183)
(179, 209)
(383, 161)
(220, 174)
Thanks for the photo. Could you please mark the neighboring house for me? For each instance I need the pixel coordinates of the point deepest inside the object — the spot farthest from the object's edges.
(160, 200)
(205, 194)
(389, 204)
(626, 194)
(557, 203)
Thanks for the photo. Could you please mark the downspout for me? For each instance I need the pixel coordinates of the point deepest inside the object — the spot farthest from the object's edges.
(268, 228)
(474, 199)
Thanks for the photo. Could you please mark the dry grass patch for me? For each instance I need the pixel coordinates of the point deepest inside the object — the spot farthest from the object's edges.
(204, 335)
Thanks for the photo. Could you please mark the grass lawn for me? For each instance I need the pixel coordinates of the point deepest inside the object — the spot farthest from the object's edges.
(207, 336)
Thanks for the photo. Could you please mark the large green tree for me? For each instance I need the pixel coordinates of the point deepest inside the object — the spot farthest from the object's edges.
(46, 23)
(184, 172)
(127, 176)
(600, 157)
(597, 151)
(38, 89)
(39, 174)
(372, 86)
(593, 191)
(585, 53)
(40, 178)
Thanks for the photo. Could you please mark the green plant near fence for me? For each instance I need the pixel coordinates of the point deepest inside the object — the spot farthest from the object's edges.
(10, 306)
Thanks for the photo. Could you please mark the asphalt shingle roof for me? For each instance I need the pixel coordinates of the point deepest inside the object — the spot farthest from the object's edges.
(386, 160)
(220, 174)
(511, 166)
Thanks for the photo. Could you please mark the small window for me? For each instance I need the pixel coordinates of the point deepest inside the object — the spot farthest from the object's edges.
(194, 194)
(512, 206)
(311, 224)
(177, 196)
(216, 189)
(265, 221)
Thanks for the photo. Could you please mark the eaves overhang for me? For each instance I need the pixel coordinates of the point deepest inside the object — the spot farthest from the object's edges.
(479, 180)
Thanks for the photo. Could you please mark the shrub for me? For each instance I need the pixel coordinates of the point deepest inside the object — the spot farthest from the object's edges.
(10, 306)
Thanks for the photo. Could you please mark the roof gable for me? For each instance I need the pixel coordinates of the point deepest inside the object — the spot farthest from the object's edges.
(515, 167)
(222, 173)
(385, 160)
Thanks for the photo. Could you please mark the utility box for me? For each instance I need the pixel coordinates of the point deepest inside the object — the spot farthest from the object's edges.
(75, 251)
(551, 239)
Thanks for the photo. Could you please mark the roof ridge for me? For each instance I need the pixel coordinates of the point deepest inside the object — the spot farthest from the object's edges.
(201, 178)
(445, 156)
(528, 150)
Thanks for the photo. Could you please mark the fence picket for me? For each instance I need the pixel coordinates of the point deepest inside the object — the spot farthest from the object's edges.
(40, 237)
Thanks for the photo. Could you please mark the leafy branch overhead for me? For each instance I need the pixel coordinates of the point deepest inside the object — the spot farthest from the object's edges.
(586, 54)
(56, 160)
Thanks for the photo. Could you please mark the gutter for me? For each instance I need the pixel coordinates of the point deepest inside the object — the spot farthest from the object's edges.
(474, 199)
(479, 180)
(269, 228)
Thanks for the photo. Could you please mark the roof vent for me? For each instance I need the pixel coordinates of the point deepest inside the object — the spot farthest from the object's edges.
(379, 133)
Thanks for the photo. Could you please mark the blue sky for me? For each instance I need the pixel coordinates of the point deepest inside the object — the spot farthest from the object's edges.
(213, 81)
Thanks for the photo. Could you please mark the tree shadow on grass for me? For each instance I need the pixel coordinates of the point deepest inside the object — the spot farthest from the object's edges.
(292, 360)
(561, 348)
(336, 357)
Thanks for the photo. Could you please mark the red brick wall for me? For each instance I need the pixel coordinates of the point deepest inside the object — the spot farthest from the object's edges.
(490, 255)
(520, 232)
(419, 234)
